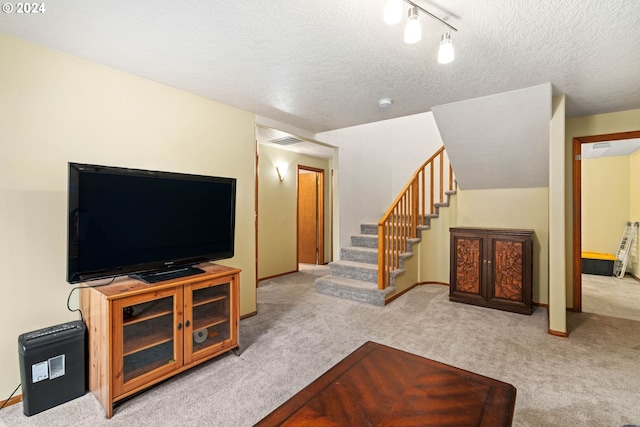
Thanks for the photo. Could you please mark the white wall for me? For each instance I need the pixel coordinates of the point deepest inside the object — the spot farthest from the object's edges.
(375, 161)
(56, 108)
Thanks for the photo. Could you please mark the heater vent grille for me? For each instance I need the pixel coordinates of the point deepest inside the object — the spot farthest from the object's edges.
(286, 140)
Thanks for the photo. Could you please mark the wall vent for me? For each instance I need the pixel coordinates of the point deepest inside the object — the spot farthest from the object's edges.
(286, 140)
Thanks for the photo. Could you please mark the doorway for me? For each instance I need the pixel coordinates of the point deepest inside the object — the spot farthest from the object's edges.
(577, 206)
(310, 215)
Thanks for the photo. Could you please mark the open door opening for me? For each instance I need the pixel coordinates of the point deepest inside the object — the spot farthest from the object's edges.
(577, 205)
(310, 215)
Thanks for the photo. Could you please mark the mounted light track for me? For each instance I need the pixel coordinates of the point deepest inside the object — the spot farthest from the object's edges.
(413, 28)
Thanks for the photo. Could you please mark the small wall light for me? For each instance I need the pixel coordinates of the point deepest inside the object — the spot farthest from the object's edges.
(281, 169)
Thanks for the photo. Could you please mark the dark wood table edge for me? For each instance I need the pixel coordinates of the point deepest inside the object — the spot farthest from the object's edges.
(493, 417)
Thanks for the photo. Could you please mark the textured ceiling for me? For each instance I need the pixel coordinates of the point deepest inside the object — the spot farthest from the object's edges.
(322, 65)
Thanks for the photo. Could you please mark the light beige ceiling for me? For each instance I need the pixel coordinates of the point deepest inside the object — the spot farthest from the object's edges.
(323, 64)
(619, 147)
(295, 143)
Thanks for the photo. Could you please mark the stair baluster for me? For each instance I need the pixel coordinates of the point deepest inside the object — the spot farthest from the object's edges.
(409, 212)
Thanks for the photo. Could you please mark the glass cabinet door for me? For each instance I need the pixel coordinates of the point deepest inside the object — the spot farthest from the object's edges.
(147, 338)
(210, 318)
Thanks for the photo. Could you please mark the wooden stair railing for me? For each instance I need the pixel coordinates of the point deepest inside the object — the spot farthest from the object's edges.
(409, 211)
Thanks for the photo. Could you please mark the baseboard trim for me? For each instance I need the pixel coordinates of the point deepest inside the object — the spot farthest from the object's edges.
(399, 294)
(244, 316)
(12, 401)
(539, 304)
(558, 333)
(275, 275)
(433, 283)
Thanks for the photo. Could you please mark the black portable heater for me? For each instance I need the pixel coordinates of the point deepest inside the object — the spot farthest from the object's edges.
(52, 366)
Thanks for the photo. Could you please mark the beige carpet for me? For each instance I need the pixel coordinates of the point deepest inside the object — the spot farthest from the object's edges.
(610, 296)
(591, 378)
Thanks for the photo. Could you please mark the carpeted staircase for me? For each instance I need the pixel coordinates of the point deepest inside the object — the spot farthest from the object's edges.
(355, 275)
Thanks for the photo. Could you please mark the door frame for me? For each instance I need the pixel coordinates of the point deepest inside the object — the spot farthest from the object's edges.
(577, 206)
(319, 212)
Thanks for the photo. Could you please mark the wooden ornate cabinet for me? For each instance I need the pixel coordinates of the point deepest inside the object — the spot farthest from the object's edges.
(492, 267)
(141, 334)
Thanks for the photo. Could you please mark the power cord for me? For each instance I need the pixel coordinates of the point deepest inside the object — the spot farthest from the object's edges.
(9, 398)
(79, 287)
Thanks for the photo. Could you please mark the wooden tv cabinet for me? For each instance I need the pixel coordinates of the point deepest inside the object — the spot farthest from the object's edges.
(140, 334)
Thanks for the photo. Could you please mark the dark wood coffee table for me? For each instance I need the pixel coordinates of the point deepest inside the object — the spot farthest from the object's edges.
(378, 385)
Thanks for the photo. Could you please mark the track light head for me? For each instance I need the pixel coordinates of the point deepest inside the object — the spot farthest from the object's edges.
(393, 12)
(413, 30)
(445, 52)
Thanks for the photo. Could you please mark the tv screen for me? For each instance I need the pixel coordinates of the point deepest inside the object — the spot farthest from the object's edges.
(131, 221)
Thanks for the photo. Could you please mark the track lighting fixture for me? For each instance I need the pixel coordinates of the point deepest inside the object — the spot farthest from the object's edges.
(413, 29)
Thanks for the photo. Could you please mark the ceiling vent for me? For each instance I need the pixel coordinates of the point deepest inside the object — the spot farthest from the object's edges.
(286, 140)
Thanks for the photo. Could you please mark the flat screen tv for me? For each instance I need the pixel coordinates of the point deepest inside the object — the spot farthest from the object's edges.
(151, 225)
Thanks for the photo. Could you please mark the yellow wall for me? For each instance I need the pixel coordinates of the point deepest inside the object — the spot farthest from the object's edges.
(56, 108)
(623, 121)
(434, 248)
(277, 223)
(634, 207)
(557, 300)
(525, 208)
(605, 202)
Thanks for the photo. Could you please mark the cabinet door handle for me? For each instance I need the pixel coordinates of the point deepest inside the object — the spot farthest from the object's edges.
(179, 326)
(187, 324)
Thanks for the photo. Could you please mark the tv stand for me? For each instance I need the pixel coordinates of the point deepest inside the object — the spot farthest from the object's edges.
(139, 334)
(162, 275)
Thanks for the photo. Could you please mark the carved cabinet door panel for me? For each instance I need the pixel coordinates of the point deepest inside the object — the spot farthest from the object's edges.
(509, 271)
(467, 273)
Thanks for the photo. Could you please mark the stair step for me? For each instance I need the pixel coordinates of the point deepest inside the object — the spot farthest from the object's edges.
(364, 240)
(359, 254)
(355, 270)
(369, 228)
(356, 290)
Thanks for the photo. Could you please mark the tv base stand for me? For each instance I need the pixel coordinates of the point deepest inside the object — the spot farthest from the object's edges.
(162, 275)
(141, 334)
